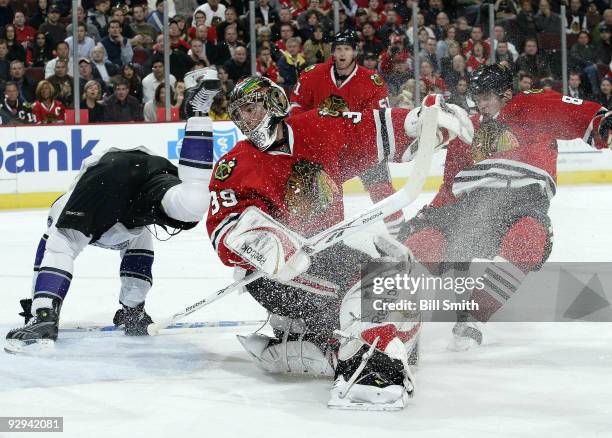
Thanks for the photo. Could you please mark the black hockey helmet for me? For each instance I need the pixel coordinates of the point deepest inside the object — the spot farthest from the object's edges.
(347, 37)
(496, 78)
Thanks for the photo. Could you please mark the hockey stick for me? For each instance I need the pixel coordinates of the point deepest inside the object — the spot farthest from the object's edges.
(400, 199)
(177, 327)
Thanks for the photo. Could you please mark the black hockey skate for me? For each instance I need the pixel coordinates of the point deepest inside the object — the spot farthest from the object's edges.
(133, 319)
(371, 380)
(40, 329)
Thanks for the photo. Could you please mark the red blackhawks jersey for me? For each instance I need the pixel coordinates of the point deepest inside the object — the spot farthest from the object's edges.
(49, 114)
(342, 147)
(518, 148)
(363, 90)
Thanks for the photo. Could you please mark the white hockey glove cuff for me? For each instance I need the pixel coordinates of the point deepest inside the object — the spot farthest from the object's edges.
(267, 245)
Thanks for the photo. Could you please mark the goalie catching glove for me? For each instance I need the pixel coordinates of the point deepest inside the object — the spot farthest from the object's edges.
(267, 245)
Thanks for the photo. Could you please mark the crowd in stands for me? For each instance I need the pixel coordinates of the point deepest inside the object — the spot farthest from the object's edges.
(121, 63)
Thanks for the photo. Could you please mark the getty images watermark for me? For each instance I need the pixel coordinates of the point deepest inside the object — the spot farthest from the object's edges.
(556, 292)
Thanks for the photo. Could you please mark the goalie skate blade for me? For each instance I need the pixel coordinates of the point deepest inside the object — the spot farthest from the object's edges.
(38, 347)
(368, 398)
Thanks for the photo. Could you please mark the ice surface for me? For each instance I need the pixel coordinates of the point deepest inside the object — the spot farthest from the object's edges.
(540, 380)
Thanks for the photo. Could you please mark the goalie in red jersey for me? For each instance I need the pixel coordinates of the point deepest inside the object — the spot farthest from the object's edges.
(284, 184)
(494, 200)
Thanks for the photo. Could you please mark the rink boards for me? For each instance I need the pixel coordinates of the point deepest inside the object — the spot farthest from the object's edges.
(37, 163)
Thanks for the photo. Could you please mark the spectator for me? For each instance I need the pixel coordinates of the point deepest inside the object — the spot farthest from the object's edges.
(198, 51)
(7, 13)
(214, 11)
(264, 38)
(505, 10)
(40, 15)
(441, 26)
(153, 79)
(526, 26)
(316, 50)
(23, 32)
(156, 18)
(91, 30)
(287, 31)
(227, 85)
(15, 49)
(140, 27)
(265, 14)
(458, 72)
(121, 107)
(92, 93)
(267, 67)
(39, 51)
(52, 27)
(238, 66)
(547, 20)
(532, 63)
(62, 52)
(86, 74)
(370, 61)
(442, 46)
(463, 30)
(582, 57)
(605, 95)
(477, 58)
(315, 5)
(461, 97)
(231, 17)
(476, 35)
(199, 19)
(180, 21)
(284, 17)
(85, 43)
(370, 42)
(396, 70)
(392, 24)
(180, 62)
(62, 83)
(525, 82)
(46, 108)
(593, 18)
(500, 35)
(185, 7)
(13, 110)
(218, 110)
(174, 35)
(26, 86)
(129, 73)
(431, 79)
(118, 48)
(102, 69)
(428, 53)
(405, 98)
(224, 51)
(291, 64)
(573, 86)
(446, 63)
(4, 62)
(576, 18)
(603, 49)
(503, 55)
(312, 20)
(98, 16)
(117, 14)
(158, 102)
(434, 8)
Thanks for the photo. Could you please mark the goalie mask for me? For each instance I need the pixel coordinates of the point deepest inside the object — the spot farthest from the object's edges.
(256, 106)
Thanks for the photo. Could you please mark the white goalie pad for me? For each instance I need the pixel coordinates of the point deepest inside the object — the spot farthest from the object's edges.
(267, 245)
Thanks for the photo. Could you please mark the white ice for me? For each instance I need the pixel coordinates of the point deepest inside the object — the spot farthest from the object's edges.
(540, 380)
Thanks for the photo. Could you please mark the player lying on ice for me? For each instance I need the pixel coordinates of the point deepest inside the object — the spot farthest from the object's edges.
(111, 204)
(492, 207)
(285, 183)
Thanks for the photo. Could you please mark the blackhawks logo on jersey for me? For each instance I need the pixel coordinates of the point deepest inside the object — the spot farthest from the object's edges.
(310, 191)
(333, 106)
(224, 169)
(376, 79)
(492, 137)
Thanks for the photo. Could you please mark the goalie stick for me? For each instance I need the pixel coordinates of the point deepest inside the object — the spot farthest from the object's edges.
(400, 199)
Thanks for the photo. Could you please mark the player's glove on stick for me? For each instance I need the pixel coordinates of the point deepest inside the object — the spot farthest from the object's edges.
(267, 245)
